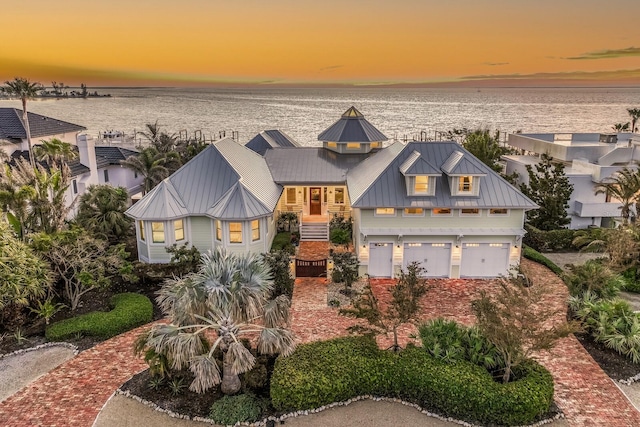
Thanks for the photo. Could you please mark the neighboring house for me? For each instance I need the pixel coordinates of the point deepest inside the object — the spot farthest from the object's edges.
(94, 165)
(431, 202)
(589, 158)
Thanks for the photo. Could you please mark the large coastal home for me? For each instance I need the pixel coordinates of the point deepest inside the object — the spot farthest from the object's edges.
(430, 202)
(589, 159)
(93, 165)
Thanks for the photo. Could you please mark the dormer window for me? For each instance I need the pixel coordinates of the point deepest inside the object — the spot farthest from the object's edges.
(421, 185)
(465, 184)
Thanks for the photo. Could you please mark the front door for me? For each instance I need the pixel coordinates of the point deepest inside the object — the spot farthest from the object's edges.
(315, 208)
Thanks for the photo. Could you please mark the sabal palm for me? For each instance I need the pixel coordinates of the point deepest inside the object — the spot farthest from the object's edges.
(25, 90)
(54, 152)
(624, 186)
(151, 164)
(634, 113)
(621, 127)
(101, 211)
(226, 300)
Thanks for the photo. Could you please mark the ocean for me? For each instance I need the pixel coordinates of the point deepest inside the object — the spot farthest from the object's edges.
(303, 113)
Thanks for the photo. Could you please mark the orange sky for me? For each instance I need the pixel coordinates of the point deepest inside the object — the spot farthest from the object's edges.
(197, 42)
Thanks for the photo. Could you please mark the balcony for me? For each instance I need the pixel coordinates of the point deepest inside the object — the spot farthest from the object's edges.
(597, 209)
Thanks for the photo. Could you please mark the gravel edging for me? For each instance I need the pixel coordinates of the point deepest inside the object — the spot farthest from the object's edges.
(41, 346)
(630, 380)
(263, 423)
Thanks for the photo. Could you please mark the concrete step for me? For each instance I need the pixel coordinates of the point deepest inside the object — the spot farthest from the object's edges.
(314, 232)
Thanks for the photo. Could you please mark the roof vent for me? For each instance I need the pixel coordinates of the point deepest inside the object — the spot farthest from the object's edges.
(609, 138)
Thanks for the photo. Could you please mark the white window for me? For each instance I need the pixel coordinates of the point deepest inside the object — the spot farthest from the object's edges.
(421, 185)
(470, 212)
(385, 211)
(353, 145)
(441, 211)
(141, 229)
(339, 196)
(157, 232)
(178, 227)
(413, 212)
(376, 144)
(332, 144)
(218, 230)
(498, 211)
(235, 232)
(255, 230)
(465, 184)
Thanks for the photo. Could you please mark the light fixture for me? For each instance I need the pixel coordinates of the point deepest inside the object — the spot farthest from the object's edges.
(364, 246)
(457, 246)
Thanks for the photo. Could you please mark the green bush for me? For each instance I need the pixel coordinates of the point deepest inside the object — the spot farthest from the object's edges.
(632, 284)
(129, 310)
(282, 241)
(340, 236)
(549, 241)
(329, 371)
(229, 410)
(536, 256)
(595, 277)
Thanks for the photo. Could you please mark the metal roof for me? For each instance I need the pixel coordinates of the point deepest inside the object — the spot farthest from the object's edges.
(310, 165)
(387, 188)
(352, 127)
(12, 127)
(225, 179)
(270, 139)
(458, 164)
(416, 165)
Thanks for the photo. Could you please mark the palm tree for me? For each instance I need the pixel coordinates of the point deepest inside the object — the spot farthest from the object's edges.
(634, 113)
(621, 127)
(624, 186)
(151, 164)
(213, 309)
(25, 90)
(54, 152)
(101, 211)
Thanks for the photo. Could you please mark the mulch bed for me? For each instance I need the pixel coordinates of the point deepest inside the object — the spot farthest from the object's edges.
(618, 367)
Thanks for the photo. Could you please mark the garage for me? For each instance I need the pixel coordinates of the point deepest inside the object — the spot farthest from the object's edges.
(380, 259)
(484, 259)
(435, 258)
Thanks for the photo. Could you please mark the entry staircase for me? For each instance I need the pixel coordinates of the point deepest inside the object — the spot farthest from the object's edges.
(314, 231)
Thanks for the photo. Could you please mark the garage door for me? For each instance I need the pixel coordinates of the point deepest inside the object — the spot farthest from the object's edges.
(380, 259)
(484, 259)
(435, 258)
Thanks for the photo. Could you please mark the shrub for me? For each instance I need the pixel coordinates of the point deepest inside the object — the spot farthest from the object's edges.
(595, 277)
(184, 259)
(281, 241)
(230, 410)
(340, 230)
(340, 236)
(536, 256)
(345, 268)
(320, 373)
(278, 262)
(129, 310)
(631, 282)
(549, 241)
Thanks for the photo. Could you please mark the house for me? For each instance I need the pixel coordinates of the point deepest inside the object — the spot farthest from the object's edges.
(430, 202)
(93, 165)
(589, 159)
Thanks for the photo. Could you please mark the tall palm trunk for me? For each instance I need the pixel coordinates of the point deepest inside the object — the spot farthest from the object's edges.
(25, 118)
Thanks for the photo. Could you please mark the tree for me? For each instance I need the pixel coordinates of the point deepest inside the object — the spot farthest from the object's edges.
(212, 309)
(624, 185)
(54, 152)
(621, 127)
(403, 307)
(25, 90)
(26, 278)
(151, 164)
(634, 113)
(345, 269)
(550, 189)
(485, 147)
(101, 212)
(81, 262)
(518, 321)
(278, 262)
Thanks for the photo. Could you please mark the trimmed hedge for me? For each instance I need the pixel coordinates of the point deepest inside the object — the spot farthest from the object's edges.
(549, 241)
(129, 310)
(536, 256)
(241, 408)
(323, 372)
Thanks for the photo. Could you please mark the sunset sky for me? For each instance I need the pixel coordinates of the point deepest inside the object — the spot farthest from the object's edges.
(201, 42)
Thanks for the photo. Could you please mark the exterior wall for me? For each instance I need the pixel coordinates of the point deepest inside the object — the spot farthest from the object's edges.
(201, 233)
(121, 177)
(414, 224)
(341, 147)
(302, 203)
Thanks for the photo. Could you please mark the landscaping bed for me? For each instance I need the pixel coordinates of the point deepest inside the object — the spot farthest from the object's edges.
(616, 366)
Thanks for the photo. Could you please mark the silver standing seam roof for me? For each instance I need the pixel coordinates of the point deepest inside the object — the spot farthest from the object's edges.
(352, 127)
(226, 181)
(270, 139)
(379, 182)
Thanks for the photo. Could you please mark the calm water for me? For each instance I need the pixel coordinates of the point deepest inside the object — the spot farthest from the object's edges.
(304, 113)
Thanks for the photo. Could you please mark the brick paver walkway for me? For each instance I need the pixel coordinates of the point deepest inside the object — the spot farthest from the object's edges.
(74, 393)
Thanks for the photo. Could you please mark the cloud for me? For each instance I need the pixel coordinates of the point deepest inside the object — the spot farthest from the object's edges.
(571, 75)
(330, 68)
(608, 53)
(495, 64)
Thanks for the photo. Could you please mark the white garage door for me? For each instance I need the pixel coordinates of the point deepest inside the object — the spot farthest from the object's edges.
(435, 258)
(484, 259)
(380, 259)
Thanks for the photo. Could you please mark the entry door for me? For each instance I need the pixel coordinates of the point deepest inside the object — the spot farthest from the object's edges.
(380, 259)
(315, 208)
